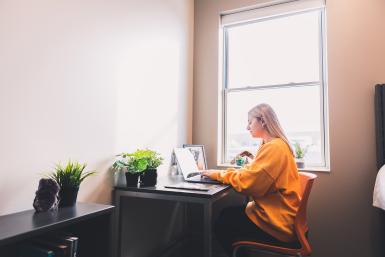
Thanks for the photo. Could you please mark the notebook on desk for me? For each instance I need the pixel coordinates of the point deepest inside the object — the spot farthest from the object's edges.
(188, 167)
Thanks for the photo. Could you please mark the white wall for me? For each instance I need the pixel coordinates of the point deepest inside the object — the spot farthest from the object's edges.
(86, 80)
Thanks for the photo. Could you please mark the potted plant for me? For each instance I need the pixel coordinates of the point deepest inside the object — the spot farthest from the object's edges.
(141, 163)
(69, 178)
(240, 160)
(300, 153)
(133, 168)
(153, 159)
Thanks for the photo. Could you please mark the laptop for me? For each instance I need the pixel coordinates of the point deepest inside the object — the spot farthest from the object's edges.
(189, 168)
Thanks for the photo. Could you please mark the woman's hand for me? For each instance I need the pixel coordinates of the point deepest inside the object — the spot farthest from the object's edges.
(247, 153)
(209, 173)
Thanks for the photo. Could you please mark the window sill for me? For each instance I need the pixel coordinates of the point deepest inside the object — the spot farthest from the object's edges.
(315, 169)
(309, 169)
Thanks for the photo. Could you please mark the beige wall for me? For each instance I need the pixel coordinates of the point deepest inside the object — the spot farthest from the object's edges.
(342, 220)
(86, 80)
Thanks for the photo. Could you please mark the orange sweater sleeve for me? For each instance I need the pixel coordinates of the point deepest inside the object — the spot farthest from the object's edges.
(256, 178)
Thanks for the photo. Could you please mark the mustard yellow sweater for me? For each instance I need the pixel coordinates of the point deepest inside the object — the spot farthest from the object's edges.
(272, 181)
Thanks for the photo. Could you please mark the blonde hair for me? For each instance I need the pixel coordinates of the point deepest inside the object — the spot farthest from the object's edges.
(265, 113)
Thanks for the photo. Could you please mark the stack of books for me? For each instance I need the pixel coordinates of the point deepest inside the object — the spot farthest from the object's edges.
(55, 245)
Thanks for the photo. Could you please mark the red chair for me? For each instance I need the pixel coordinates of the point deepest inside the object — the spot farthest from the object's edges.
(300, 226)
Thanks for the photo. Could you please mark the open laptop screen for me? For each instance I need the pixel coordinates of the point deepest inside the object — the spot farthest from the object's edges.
(186, 162)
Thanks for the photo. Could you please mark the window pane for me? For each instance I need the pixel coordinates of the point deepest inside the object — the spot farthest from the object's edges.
(298, 110)
(277, 51)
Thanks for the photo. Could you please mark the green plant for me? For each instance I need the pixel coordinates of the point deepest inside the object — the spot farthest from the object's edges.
(238, 157)
(138, 161)
(300, 152)
(70, 175)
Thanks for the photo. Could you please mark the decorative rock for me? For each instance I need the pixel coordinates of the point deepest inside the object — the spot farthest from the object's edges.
(46, 198)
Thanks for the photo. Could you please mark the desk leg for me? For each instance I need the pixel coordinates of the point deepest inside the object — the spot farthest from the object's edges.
(111, 236)
(207, 230)
(116, 227)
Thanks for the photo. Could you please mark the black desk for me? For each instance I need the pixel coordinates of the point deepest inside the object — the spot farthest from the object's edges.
(84, 220)
(159, 192)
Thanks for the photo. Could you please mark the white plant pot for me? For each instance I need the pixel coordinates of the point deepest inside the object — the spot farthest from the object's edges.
(120, 178)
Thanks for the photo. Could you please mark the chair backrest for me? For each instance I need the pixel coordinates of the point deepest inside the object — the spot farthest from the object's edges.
(300, 222)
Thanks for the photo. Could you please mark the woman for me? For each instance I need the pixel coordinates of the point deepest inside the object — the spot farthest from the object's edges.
(271, 182)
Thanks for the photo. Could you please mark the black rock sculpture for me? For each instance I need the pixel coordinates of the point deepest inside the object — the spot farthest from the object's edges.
(46, 198)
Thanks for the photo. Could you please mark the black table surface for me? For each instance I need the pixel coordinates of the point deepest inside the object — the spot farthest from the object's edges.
(17, 226)
(163, 181)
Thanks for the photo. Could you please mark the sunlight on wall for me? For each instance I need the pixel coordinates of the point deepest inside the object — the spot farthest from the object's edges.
(86, 80)
(148, 95)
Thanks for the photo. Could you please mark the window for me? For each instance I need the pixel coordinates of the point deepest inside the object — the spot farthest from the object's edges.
(276, 55)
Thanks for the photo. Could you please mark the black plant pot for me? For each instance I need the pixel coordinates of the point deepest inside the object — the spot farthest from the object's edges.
(300, 163)
(68, 196)
(132, 179)
(148, 177)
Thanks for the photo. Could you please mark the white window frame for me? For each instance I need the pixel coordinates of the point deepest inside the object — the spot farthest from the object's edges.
(268, 11)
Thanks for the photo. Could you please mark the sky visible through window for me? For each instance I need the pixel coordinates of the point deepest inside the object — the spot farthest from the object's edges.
(275, 52)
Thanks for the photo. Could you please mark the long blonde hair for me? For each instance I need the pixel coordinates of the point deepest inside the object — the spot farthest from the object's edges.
(273, 127)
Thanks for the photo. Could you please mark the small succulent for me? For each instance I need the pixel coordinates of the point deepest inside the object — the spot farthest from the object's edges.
(70, 175)
(300, 152)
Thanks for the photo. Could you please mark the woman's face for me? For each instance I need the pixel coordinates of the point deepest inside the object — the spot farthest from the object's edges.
(255, 127)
